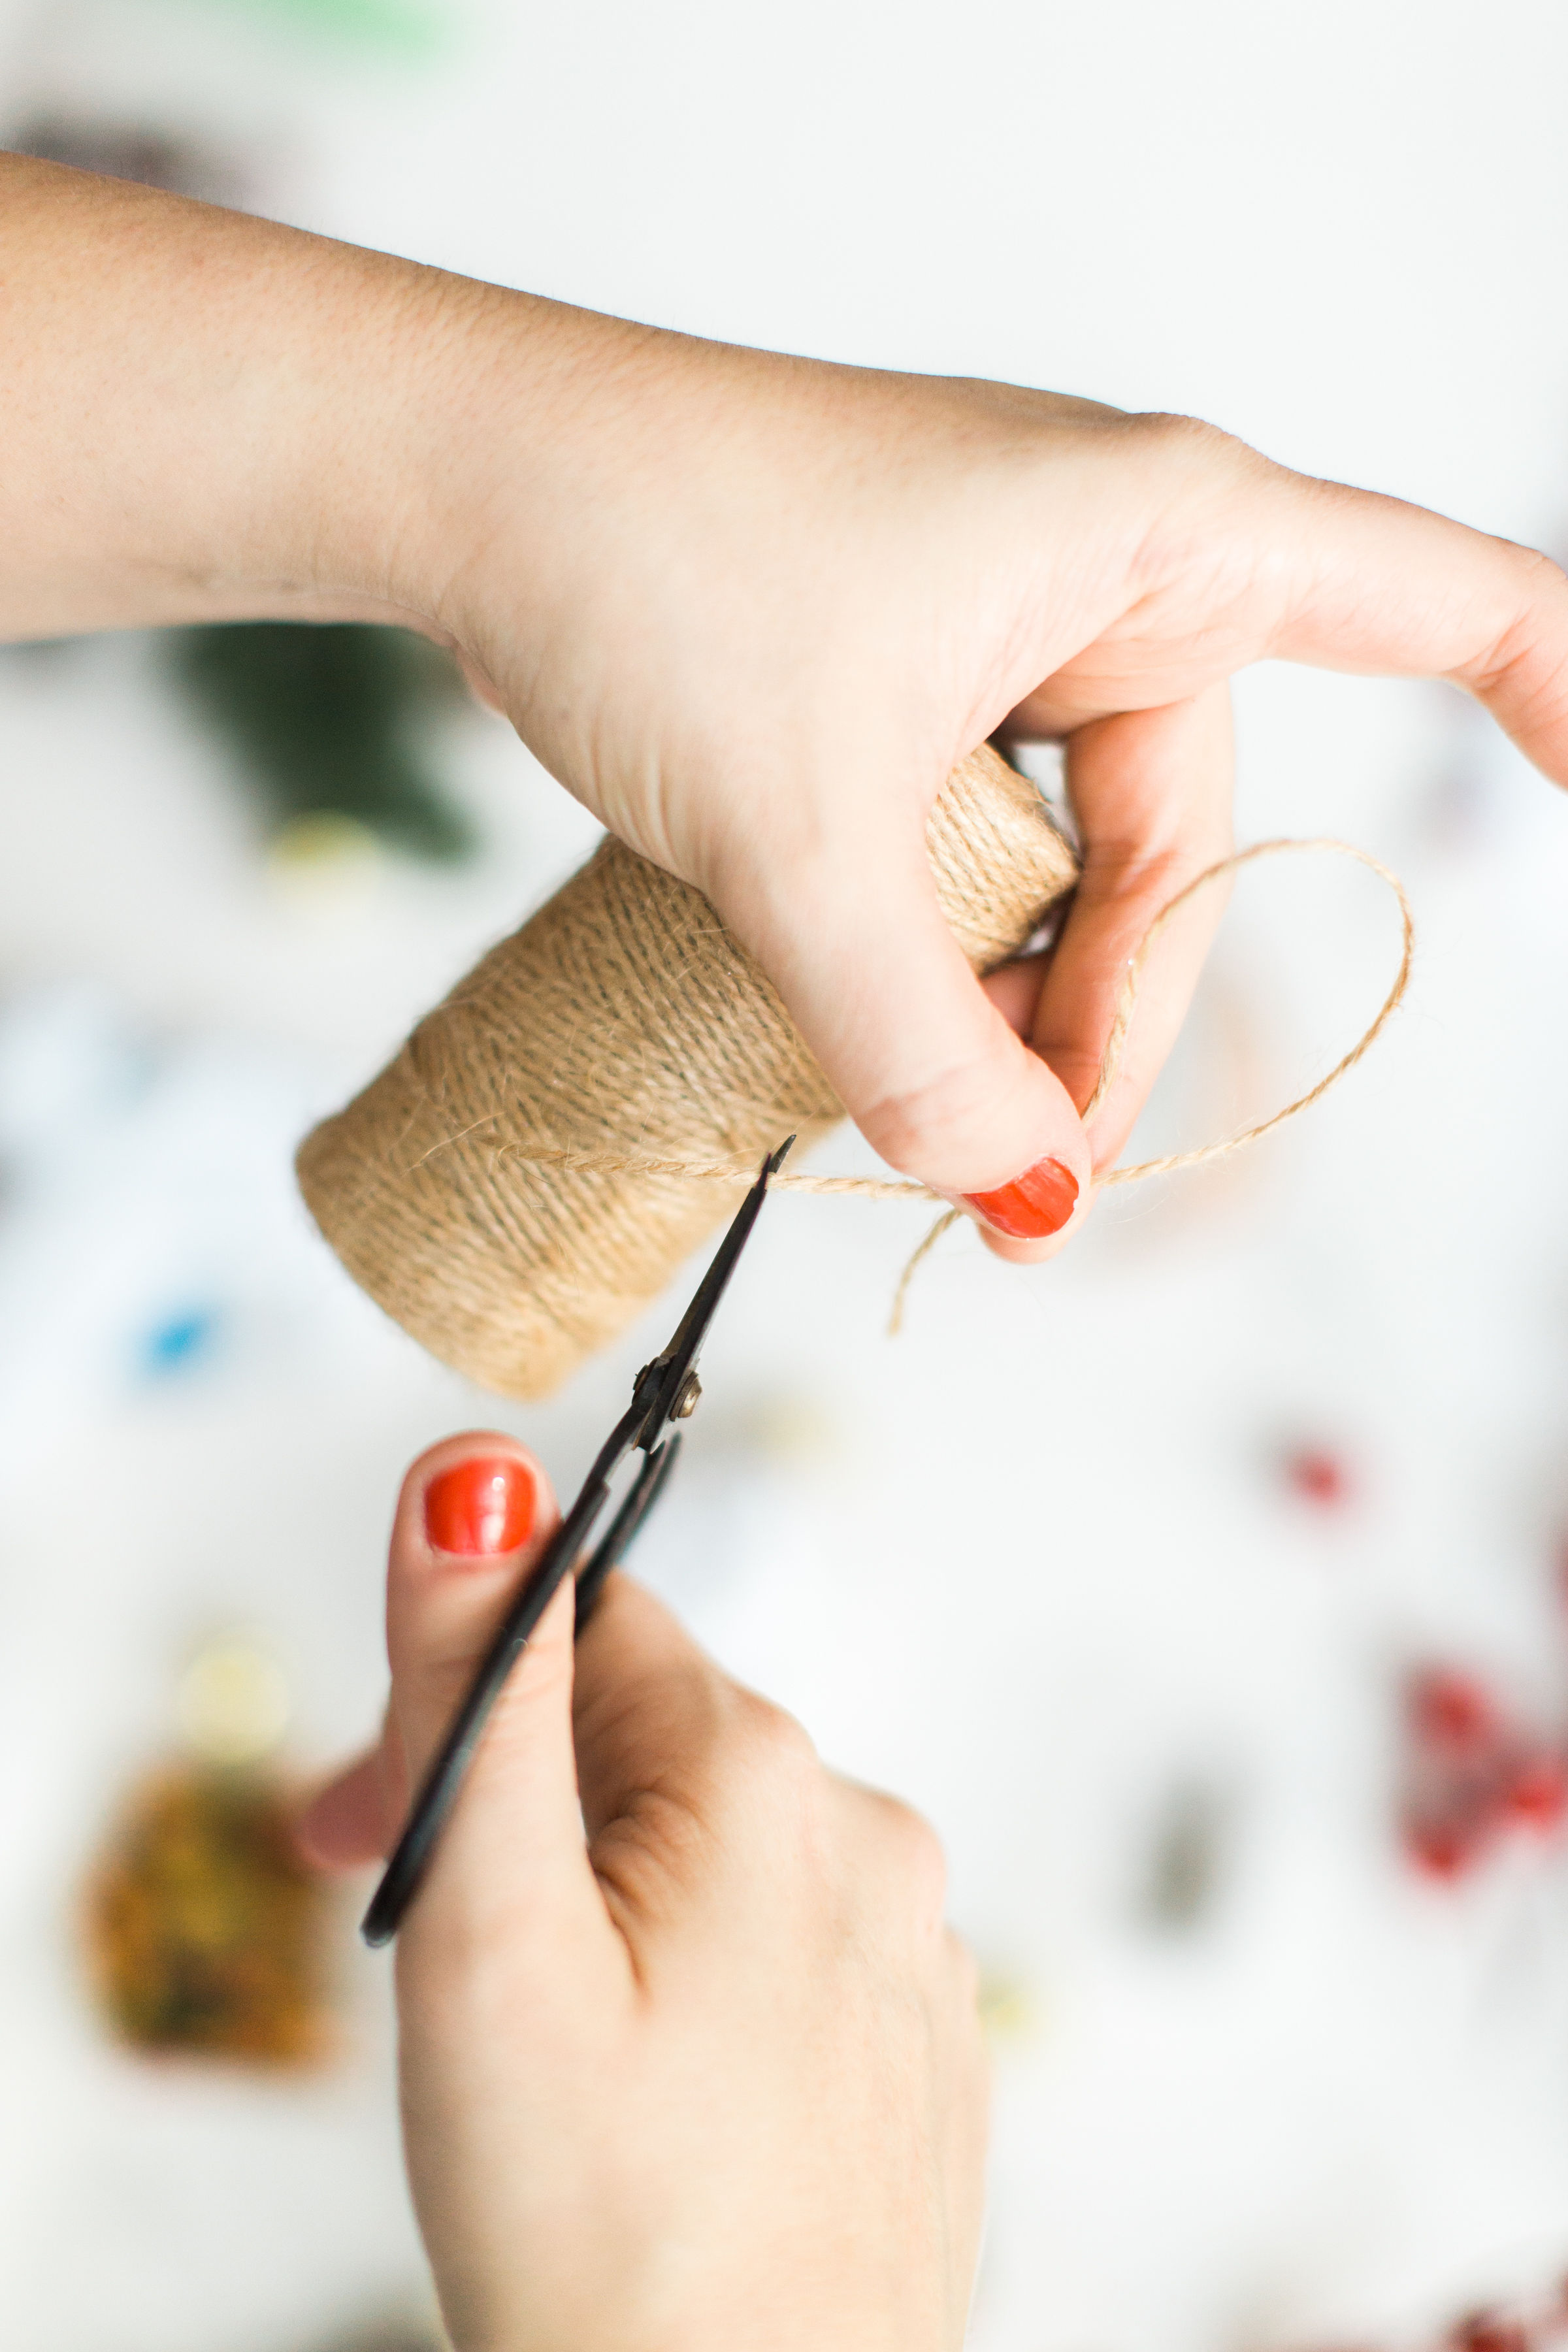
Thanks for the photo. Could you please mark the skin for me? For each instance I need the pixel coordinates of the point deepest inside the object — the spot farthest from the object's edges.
(711, 2080)
(749, 609)
(708, 2080)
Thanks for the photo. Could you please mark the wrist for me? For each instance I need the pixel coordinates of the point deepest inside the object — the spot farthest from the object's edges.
(513, 429)
(313, 458)
(213, 404)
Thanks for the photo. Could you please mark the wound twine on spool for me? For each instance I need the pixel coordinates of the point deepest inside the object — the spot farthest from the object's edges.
(554, 1139)
(557, 1135)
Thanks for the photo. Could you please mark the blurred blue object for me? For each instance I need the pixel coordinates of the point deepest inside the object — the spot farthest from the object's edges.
(184, 1340)
(148, 1228)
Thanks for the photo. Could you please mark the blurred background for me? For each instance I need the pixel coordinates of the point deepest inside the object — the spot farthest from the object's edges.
(1209, 1587)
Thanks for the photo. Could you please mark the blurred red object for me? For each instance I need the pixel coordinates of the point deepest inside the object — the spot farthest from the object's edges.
(1471, 1774)
(1445, 1850)
(1540, 2328)
(1490, 2331)
(1319, 1477)
(1537, 1795)
(1450, 1709)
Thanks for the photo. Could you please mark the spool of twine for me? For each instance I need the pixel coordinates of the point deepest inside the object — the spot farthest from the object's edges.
(545, 1152)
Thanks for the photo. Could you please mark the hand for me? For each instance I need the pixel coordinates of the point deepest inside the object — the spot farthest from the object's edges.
(749, 609)
(711, 2082)
(769, 603)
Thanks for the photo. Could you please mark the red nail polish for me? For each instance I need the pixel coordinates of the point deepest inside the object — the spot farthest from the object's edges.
(1033, 1205)
(485, 1505)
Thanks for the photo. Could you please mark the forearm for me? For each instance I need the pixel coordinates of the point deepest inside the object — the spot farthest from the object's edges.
(207, 416)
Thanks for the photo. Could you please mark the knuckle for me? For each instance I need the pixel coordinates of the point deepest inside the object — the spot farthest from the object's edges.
(767, 1774)
(914, 1132)
(1178, 440)
(964, 1970)
(1133, 880)
(914, 1852)
(769, 1740)
(1513, 668)
(1199, 482)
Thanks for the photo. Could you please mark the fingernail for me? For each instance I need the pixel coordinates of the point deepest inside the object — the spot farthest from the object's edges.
(1033, 1205)
(485, 1505)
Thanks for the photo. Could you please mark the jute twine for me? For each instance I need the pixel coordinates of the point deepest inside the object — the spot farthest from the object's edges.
(556, 1138)
(1115, 1045)
(558, 1135)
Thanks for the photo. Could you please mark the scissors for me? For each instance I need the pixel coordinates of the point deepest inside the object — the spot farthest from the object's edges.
(665, 1391)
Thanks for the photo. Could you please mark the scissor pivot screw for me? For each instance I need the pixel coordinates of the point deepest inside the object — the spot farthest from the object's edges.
(687, 1398)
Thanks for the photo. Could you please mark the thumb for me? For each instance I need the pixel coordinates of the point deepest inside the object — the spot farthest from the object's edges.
(854, 939)
(474, 1515)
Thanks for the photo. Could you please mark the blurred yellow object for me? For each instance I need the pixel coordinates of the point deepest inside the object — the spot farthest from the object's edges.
(1009, 2010)
(232, 1703)
(792, 1426)
(323, 846)
(205, 1931)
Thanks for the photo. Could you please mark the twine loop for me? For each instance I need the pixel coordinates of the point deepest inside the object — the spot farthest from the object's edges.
(906, 1188)
(553, 1140)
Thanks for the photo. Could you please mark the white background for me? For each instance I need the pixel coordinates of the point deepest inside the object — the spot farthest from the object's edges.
(1032, 1566)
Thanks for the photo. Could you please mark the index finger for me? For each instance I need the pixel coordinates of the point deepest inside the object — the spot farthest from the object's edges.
(1386, 589)
(1241, 561)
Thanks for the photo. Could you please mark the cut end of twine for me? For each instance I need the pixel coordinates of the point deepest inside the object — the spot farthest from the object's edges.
(896, 1317)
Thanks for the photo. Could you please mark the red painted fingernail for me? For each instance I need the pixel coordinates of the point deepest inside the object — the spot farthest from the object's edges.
(485, 1505)
(1033, 1205)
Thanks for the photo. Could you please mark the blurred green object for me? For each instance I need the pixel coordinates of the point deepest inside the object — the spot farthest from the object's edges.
(330, 721)
(403, 26)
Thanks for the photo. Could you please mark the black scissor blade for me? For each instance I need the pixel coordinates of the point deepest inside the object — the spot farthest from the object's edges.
(625, 1528)
(642, 1424)
(673, 1365)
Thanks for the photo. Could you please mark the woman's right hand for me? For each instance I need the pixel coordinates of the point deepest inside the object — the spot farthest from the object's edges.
(704, 2076)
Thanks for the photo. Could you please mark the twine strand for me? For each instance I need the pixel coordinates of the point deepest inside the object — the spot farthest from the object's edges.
(912, 1265)
(554, 1139)
(906, 1188)
(1116, 1043)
